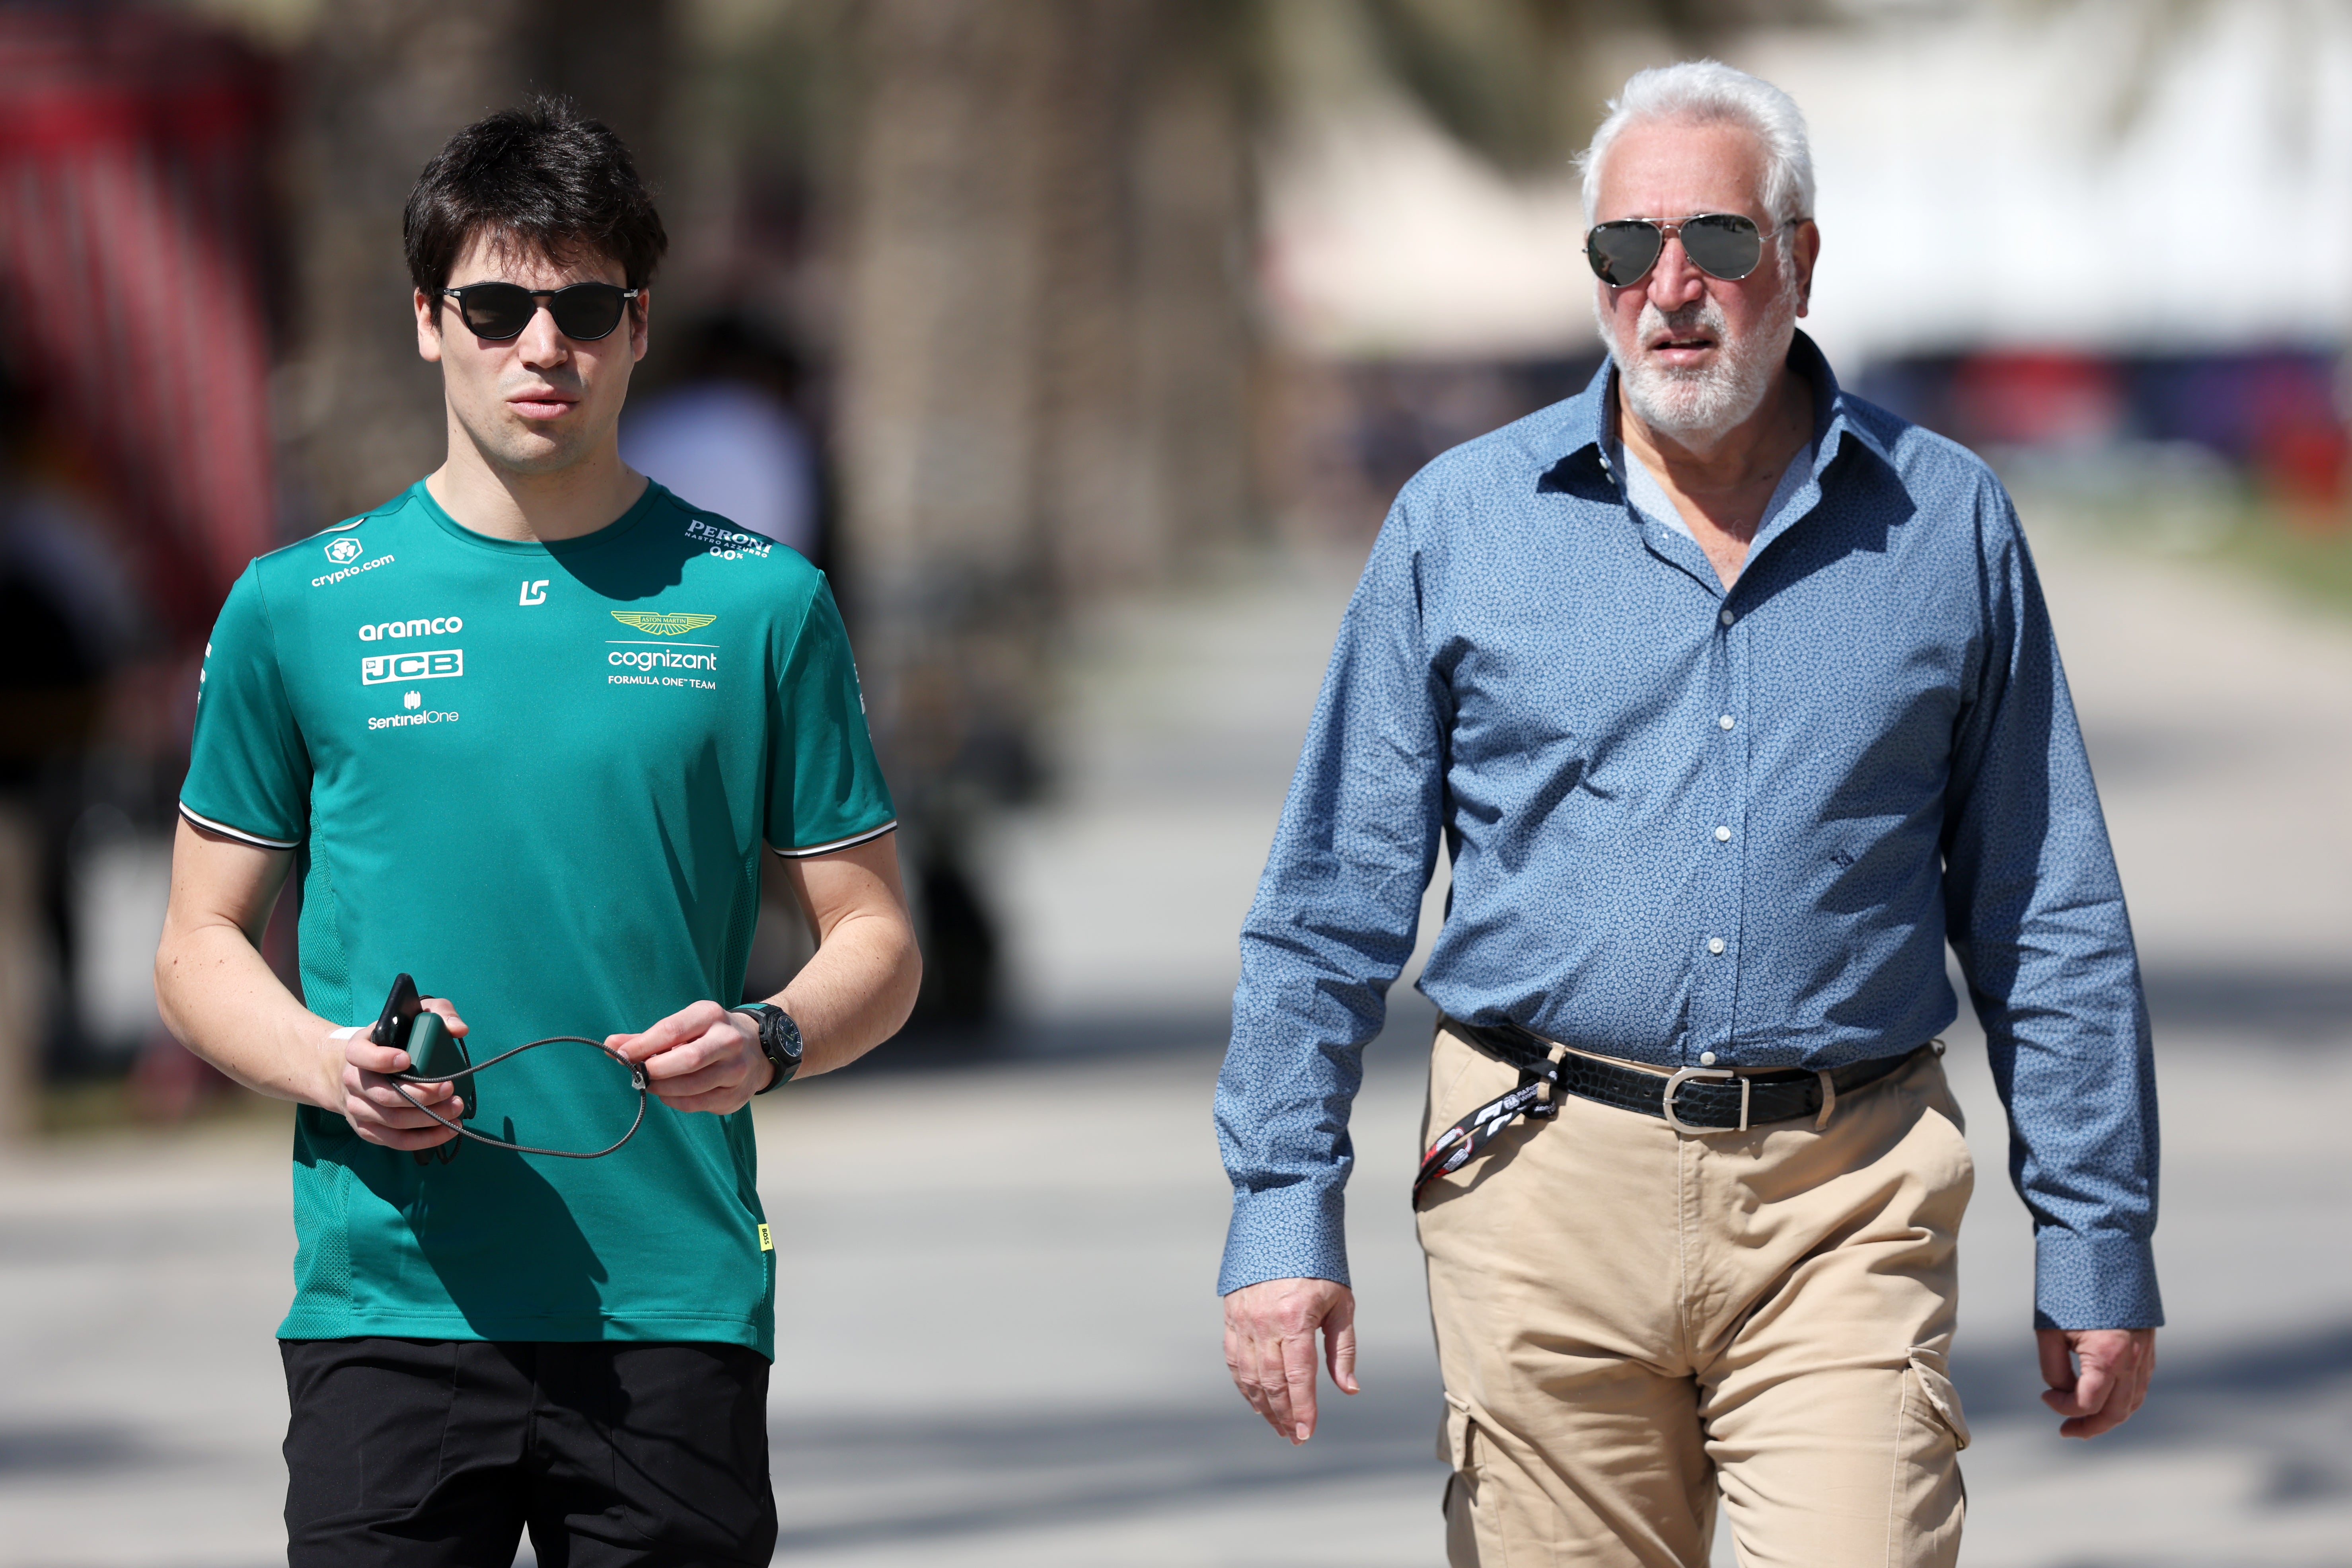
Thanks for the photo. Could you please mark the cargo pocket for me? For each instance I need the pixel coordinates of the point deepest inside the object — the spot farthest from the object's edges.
(1937, 1397)
(1455, 1437)
(1457, 1449)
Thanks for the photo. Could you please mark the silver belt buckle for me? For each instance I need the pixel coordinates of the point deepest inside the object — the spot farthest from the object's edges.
(1681, 1075)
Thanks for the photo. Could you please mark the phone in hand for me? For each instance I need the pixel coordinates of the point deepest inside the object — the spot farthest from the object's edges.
(406, 1024)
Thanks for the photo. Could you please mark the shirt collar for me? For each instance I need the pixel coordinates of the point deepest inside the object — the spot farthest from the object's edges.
(1592, 423)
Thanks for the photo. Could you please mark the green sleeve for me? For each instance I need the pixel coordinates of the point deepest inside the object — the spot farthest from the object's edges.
(825, 790)
(249, 772)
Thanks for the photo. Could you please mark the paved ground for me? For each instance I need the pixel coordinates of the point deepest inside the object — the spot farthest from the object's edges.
(1000, 1345)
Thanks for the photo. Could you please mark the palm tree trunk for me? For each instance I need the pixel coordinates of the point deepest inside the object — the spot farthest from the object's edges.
(1044, 357)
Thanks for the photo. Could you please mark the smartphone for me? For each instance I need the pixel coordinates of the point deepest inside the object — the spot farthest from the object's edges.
(407, 1025)
(399, 1014)
(432, 1050)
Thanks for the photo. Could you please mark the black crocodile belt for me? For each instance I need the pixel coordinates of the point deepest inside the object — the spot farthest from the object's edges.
(1691, 1099)
(1714, 1099)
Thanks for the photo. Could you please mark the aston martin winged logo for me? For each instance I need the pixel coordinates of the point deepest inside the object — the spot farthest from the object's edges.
(655, 623)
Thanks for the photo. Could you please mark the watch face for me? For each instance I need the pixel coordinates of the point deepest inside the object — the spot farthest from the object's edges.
(779, 1038)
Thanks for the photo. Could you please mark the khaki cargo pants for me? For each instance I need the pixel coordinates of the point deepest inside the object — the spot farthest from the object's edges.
(1631, 1319)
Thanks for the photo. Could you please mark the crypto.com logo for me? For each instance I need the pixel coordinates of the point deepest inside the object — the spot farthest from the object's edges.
(343, 552)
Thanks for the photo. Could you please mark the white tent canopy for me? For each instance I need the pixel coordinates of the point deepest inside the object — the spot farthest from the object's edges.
(1975, 190)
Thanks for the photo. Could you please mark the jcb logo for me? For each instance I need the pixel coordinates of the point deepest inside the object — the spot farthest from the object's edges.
(377, 668)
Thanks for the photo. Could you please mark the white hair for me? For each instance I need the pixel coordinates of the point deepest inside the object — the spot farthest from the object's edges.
(1710, 92)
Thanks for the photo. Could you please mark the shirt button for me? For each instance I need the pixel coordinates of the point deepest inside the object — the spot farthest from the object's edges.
(1726, 618)
(1714, 945)
(1722, 834)
(1724, 723)
(1706, 1058)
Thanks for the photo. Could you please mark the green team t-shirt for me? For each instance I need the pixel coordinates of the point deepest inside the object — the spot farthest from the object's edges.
(537, 778)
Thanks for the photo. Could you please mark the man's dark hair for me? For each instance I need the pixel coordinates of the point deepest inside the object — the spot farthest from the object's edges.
(543, 178)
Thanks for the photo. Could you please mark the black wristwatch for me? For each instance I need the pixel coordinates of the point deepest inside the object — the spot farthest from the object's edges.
(779, 1039)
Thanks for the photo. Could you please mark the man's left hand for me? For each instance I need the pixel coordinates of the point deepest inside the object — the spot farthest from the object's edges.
(2114, 1365)
(701, 1057)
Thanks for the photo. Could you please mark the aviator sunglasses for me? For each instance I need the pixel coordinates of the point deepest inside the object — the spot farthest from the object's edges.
(1721, 245)
(582, 311)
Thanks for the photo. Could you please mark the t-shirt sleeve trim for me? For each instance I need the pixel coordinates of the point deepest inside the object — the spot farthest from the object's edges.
(849, 843)
(239, 832)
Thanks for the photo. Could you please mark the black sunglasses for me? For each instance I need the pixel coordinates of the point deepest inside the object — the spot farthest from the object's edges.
(582, 311)
(1721, 245)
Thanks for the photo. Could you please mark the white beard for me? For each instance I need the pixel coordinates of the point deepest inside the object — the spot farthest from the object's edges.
(1703, 403)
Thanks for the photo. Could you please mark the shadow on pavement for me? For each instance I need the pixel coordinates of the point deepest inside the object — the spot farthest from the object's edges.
(2287, 1401)
(73, 1448)
(1050, 1469)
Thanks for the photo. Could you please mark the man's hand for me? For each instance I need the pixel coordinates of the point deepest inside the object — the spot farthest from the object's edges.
(357, 1067)
(701, 1057)
(1270, 1347)
(2116, 1364)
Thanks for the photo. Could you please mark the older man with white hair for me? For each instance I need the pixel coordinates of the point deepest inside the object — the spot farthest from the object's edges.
(1732, 699)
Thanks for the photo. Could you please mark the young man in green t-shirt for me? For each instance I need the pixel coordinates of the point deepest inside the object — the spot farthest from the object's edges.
(520, 732)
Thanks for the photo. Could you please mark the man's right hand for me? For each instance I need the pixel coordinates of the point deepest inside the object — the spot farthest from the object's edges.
(356, 1066)
(1270, 1347)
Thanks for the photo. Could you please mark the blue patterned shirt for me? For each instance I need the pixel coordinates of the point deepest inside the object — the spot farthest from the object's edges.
(1683, 820)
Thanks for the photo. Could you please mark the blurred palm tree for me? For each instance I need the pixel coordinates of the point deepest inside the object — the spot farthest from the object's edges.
(1047, 226)
(384, 84)
(1047, 341)
(1522, 82)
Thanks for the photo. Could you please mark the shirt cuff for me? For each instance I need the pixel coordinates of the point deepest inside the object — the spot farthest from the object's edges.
(1297, 1231)
(2093, 1281)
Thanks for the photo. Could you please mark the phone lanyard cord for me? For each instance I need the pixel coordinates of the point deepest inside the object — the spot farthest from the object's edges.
(636, 1078)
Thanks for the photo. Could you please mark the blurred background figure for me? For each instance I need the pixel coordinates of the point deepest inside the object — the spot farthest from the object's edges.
(136, 477)
(1117, 325)
(727, 439)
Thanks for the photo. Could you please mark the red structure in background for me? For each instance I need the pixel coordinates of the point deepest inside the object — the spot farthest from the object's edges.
(2037, 399)
(2301, 449)
(132, 152)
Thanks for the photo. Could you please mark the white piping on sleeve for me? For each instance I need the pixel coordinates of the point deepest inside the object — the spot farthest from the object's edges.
(236, 833)
(849, 843)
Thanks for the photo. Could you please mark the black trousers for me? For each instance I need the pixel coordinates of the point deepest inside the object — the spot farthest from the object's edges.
(439, 1454)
